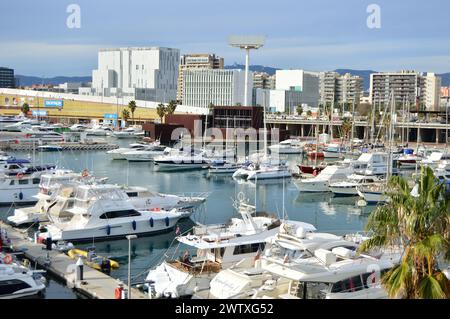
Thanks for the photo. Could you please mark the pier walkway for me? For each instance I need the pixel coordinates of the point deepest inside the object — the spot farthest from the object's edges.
(95, 284)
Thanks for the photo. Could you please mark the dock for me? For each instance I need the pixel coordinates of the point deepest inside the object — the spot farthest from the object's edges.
(95, 284)
(66, 146)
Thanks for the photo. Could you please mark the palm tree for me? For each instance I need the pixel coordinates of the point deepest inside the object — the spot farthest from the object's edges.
(25, 109)
(161, 110)
(125, 114)
(132, 106)
(299, 110)
(346, 127)
(420, 223)
(171, 107)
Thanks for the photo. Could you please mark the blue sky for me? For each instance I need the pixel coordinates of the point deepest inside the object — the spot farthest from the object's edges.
(313, 35)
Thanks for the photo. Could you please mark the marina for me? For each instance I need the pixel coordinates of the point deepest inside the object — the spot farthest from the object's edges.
(326, 212)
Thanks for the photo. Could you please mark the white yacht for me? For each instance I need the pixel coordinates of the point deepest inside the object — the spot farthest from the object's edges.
(130, 132)
(291, 242)
(433, 159)
(21, 187)
(118, 153)
(147, 154)
(100, 131)
(221, 167)
(321, 182)
(373, 193)
(181, 160)
(349, 187)
(17, 281)
(48, 186)
(372, 164)
(266, 169)
(290, 146)
(333, 151)
(105, 212)
(78, 128)
(217, 247)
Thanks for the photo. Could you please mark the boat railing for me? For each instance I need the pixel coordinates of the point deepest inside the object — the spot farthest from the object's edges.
(204, 195)
(196, 268)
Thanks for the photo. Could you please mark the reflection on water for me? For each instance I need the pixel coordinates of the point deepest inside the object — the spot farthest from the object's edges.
(338, 215)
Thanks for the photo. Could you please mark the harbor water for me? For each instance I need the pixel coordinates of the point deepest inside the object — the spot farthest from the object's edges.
(329, 214)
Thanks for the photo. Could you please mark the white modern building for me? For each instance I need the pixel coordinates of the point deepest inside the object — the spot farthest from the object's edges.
(145, 73)
(196, 61)
(219, 87)
(301, 81)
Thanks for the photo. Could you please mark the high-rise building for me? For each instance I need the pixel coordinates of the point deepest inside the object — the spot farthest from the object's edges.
(301, 81)
(144, 73)
(7, 78)
(262, 80)
(432, 86)
(340, 88)
(408, 87)
(219, 87)
(196, 62)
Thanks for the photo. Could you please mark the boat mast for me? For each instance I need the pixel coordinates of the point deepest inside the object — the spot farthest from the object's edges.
(353, 125)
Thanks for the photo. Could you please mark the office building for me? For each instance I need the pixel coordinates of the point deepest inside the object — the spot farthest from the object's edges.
(196, 62)
(301, 81)
(7, 78)
(262, 80)
(219, 87)
(144, 73)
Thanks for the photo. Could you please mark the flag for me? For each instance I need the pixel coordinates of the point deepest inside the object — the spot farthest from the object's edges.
(177, 231)
(286, 259)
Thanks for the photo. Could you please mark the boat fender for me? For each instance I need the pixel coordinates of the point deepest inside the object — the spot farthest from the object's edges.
(20, 195)
(133, 224)
(8, 259)
(118, 292)
(151, 222)
(108, 230)
(167, 221)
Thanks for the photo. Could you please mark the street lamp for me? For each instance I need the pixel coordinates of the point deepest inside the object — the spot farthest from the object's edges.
(129, 237)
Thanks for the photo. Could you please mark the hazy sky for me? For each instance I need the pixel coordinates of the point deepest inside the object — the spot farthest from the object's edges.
(313, 35)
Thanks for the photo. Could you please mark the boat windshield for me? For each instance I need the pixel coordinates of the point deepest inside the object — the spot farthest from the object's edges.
(88, 194)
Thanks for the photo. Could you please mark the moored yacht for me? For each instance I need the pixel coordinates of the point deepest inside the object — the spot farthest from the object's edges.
(17, 281)
(147, 154)
(48, 186)
(118, 153)
(105, 212)
(181, 160)
(349, 186)
(290, 146)
(217, 247)
(130, 132)
(320, 183)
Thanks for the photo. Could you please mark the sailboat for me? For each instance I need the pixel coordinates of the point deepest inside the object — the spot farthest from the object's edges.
(375, 193)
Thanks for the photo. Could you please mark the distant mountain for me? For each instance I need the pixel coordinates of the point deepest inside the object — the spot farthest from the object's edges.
(25, 80)
(254, 68)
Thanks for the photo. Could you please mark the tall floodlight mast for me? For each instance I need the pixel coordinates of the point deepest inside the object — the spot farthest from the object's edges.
(246, 43)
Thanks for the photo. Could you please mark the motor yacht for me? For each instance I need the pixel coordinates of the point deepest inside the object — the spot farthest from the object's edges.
(266, 169)
(216, 247)
(181, 160)
(118, 153)
(22, 186)
(221, 167)
(147, 154)
(100, 131)
(290, 146)
(372, 164)
(321, 182)
(105, 212)
(333, 151)
(17, 281)
(48, 187)
(291, 242)
(349, 187)
(130, 132)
